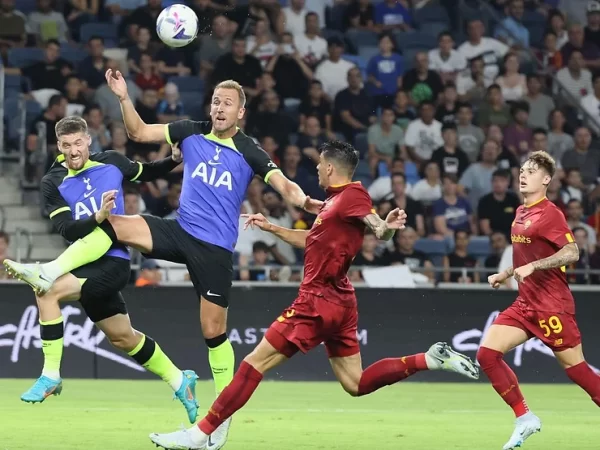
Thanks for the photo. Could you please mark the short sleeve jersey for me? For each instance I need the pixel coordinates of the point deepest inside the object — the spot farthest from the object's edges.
(539, 231)
(80, 191)
(216, 175)
(334, 241)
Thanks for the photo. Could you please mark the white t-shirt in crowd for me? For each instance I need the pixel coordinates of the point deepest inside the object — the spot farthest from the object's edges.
(490, 49)
(578, 87)
(316, 46)
(319, 7)
(294, 22)
(286, 250)
(422, 191)
(425, 139)
(455, 62)
(381, 188)
(465, 82)
(333, 76)
(506, 261)
(591, 104)
(264, 53)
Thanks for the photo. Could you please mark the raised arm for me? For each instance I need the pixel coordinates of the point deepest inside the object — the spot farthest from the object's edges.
(296, 238)
(292, 193)
(137, 171)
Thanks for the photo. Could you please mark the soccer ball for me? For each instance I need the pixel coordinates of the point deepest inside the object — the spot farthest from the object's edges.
(177, 25)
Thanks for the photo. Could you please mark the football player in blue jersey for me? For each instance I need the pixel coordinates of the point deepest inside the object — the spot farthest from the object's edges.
(219, 161)
(80, 191)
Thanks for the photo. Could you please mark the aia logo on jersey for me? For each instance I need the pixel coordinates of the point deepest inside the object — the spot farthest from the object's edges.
(213, 177)
(520, 239)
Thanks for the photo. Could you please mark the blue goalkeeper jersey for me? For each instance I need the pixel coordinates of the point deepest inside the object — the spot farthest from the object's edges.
(216, 175)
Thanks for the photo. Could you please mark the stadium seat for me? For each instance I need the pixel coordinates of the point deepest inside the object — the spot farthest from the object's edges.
(432, 13)
(360, 63)
(73, 54)
(359, 38)
(368, 51)
(13, 82)
(415, 40)
(188, 84)
(107, 31)
(432, 247)
(479, 246)
(23, 57)
(327, 34)
(335, 17)
(361, 143)
(26, 6)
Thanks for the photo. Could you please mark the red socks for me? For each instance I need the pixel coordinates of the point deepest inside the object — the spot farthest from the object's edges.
(389, 371)
(503, 379)
(244, 383)
(583, 375)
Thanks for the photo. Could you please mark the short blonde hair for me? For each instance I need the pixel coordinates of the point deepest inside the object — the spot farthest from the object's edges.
(232, 84)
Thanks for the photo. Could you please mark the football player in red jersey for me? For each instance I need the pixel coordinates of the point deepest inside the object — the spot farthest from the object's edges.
(325, 309)
(542, 246)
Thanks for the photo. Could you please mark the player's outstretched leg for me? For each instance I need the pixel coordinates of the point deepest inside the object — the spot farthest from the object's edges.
(148, 354)
(578, 370)
(500, 339)
(234, 397)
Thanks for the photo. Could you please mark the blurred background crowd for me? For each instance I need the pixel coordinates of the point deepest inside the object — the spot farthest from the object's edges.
(443, 99)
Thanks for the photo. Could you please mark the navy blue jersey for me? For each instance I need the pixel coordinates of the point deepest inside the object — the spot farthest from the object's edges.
(216, 175)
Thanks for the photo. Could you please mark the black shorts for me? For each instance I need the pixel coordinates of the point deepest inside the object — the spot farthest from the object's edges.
(210, 266)
(101, 292)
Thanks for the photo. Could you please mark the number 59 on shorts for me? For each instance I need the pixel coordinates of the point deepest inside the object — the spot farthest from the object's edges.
(552, 325)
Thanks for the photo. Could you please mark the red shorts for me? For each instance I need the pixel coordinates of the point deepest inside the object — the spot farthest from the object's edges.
(311, 320)
(559, 331)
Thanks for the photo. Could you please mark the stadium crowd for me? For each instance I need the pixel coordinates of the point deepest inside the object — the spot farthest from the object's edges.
(442, 116)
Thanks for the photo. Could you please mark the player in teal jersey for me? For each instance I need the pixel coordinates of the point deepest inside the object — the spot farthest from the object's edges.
(220, 161)
(80, 191)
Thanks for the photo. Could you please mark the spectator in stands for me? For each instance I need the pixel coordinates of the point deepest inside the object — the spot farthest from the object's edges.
(333, 71)
(540, 104)
(260, 257)
(214, 45)
(385, 140)
(4, 243)
(593, 219)
(428, 189)
(554, 195)
(422, 83)
(354, 110)
(494, 111)
(51, 72)
(511, 30)
(576, 79)
(143, 45)
(359, 16)
(402, 109)
(150, 274)
(445, 60)
(277, 213)
(499, 244)
(448, 108)
(120, 141)
(450, 158)
(574, 220)
(311, 46)
(148, 78)
(404, 253)
(585, 252)
(573, 188)
(309, 143)
(171, 61)
(122, 8)
(381, 188)
(477, 179)
(147, 105)
(75, 97)
(295, 17)
(269, 145)
(144, 16)
(100, 135)
(13, 26)
(470, 137)
(460, 259)
(583, 157)
(393, 15)
(316, 104)
(206, 12)
(591, 103)
(423, 135)
(292, 169)
(577, 42)
(132, 202)
(292, 75)
(169, 203)
(518, 137)
(385, 71)
(47, 24)
(239, 66)
(559, 142)
(592, 30)
(413, 209)
(55, 111)
(91, 69)
(512, 83)
(272, 120)
(496, 210)
(78, 13)
(557, 25)
(489, 49)
(367, 256)
(550, 55)
(472, 84)
(260, 44)
(171, 108)
(265, 83)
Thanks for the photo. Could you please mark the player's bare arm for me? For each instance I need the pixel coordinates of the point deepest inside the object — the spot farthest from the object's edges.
(137, 129)
(296, 238)
(384, 229)
(498, 279)
(566, 255)
(293, 194)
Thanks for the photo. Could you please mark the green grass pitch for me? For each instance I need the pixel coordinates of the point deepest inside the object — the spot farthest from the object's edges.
(119, 415)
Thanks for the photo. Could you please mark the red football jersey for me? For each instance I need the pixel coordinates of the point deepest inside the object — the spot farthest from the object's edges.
(334, 240)
(537, 232)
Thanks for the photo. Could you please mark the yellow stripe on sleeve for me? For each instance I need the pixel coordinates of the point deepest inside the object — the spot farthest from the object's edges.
(270, 173)
(569, 237)
(140, 170)
(168, 135)
(59, 210)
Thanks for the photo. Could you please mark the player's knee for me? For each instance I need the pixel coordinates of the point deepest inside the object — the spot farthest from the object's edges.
(487, 357)
(123, 339)
(212, 327)
(351, 387)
